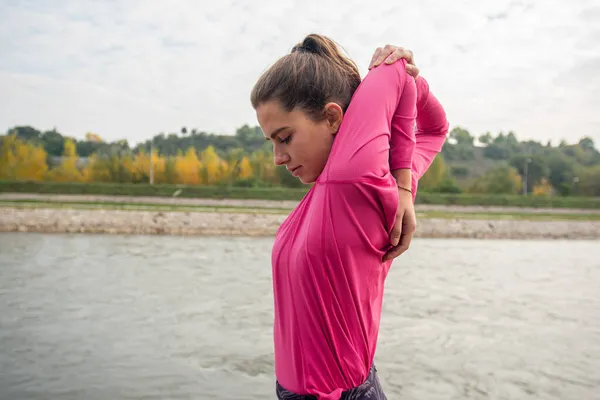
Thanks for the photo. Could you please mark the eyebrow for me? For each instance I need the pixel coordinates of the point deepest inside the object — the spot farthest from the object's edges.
(276, 132)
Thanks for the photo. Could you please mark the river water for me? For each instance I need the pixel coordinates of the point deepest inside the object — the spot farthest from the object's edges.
(154, 317)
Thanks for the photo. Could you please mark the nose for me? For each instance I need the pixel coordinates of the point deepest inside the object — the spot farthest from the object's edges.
(280, 158)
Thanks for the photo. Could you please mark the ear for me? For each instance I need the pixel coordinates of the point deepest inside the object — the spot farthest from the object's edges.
(334, 115)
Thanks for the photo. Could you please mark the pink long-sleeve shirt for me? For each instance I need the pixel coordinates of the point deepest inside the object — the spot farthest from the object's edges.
(328, 274)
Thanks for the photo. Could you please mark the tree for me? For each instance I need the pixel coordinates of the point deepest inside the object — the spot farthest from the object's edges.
(587, 143)
(8, 160)
(568, 168)
(502, 147)
(460, 145)
(435, 175)
(97, 169)
(170, 171)
(26, 133)
(589, 181)
(189, 167)
(561, 171)
(263, 166)
(485, 139)
(536, 168)
(93, 137)
(543, 188)
(53, 143)
(67, 171)
(20, 160)
(211, 164)
(500, 180)
(245, 171)
(233, 158)
(250, 138)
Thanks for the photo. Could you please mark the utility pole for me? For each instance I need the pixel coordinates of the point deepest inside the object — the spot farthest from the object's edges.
(527, 161)
(151, 163)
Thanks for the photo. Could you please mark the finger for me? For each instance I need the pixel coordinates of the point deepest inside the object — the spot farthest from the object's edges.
(396, 234)
(393, 253)
(385, 53)
(409, 56)
(375, 56)
(412, 70)
(405, 240)
(398, 54)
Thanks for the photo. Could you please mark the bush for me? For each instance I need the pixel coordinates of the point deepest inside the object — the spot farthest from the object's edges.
(161, 190)
(449, 185)
(467, 199)
(280, 193)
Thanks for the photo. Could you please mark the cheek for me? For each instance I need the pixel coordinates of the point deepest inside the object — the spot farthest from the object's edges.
(319, 152)
(310, 146)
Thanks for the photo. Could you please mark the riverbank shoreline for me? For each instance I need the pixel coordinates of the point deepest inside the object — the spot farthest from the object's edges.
(256, 223)
(266, 204)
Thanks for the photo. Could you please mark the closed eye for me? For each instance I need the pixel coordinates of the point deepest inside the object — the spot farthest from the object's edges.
(285, 140)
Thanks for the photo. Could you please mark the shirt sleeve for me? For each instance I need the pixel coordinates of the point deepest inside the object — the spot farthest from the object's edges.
(431, 131)
(361, 149)
(403, 141)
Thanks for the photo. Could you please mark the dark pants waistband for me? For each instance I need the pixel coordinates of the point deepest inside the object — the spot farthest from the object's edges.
(371, 389)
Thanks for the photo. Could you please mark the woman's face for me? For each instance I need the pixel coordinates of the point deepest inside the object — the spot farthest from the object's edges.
(299, 143)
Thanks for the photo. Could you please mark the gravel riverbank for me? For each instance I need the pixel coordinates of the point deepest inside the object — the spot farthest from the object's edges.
(62, 220)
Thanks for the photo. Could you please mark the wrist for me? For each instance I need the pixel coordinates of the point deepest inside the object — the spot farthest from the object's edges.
(404, 189)
(403, 178)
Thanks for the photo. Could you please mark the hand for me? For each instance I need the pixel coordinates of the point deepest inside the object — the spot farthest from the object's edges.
(390, 54)
(405, 226)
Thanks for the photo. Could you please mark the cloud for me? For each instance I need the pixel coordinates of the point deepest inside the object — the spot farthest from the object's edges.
(134, 68)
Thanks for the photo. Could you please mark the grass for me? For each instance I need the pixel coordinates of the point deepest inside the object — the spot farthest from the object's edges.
(522, 216)
(281, 193)
(82, 205)
(85, 205)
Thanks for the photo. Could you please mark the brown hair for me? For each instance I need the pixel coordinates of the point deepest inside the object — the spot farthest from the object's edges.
(312, 75)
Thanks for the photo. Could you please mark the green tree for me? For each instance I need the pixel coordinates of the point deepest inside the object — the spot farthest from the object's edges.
(460, 145)
(485, 139)
(536, 168)
(502, 147)
(500, 180)
(435, 175)
(588, 183)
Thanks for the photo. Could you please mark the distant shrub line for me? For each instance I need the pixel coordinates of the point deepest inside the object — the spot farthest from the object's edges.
(281, 193)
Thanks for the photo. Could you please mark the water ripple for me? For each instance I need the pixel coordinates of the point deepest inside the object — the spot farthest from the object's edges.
(149, 317)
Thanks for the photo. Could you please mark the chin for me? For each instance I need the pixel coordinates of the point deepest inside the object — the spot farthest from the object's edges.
(308, 180)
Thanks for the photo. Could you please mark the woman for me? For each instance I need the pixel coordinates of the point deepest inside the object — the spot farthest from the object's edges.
(364, 160)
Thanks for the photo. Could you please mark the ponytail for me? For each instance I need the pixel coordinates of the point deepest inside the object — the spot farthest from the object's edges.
(313, 74)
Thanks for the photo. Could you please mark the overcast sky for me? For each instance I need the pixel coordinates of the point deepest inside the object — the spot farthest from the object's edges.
(134, 68)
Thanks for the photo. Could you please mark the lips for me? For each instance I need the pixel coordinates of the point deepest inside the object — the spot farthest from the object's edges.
(294, 170)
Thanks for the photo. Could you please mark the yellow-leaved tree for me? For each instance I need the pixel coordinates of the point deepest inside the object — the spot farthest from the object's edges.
(245, 169)
(188, 167)
(211, 164)
(263, 166)
(542, 188)
(67, 171)
(141, 167)
(96, 170)
(20, 160)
